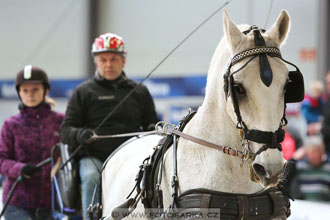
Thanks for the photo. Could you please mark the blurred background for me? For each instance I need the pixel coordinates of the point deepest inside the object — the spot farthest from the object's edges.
(57, 36)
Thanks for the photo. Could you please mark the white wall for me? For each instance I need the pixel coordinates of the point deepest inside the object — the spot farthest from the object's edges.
(54, 34)
(153, 28)
(46, 33)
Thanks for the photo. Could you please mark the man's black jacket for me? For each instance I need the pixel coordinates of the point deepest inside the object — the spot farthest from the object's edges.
(94, 99)
(326, 126)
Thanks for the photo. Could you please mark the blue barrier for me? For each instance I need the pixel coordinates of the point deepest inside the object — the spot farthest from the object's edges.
(162, 87)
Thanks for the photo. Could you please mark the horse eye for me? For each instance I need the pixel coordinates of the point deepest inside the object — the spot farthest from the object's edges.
(239, 89)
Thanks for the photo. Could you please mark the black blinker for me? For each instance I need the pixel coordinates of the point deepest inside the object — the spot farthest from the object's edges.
(295, 90)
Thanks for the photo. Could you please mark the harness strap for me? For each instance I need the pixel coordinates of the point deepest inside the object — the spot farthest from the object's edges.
(147, 182)
(205, 200)
(243, 207)
(175, 181)
(227, 150)
(266, 137)
(258, 206)
(279, 198)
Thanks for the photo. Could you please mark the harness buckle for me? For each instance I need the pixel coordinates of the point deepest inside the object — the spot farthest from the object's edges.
(284, 121)
(163, 128)
(159, 127)
(239, 125)
(246, 149)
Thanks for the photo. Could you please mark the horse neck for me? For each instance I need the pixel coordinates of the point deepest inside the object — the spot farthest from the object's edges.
(214, 86)
(213, 115)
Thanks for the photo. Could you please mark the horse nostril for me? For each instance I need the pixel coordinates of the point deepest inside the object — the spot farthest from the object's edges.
(260, 170)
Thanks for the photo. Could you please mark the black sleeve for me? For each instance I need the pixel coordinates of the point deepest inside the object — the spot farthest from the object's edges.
(326, 121)
(74, 119)
(289, 175)
(150, 117)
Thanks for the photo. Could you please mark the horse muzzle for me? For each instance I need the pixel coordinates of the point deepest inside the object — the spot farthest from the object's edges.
(266, 168)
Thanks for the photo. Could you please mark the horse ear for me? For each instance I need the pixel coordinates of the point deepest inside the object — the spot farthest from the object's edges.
(280, 29)
(233, 34)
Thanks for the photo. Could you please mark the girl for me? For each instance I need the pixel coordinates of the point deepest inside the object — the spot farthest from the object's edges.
(26, 139)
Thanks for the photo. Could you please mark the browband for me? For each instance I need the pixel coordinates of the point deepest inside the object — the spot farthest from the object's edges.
(273, 51)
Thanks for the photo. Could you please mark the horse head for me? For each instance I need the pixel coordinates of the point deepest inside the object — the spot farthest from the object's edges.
(257, 85)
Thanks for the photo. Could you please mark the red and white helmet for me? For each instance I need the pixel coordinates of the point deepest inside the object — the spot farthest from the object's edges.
(108, 43)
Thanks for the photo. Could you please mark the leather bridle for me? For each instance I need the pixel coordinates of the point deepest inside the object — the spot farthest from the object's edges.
(271, 140)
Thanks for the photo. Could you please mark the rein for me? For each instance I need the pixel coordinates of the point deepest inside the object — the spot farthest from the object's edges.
(163, 128)
(131, 134)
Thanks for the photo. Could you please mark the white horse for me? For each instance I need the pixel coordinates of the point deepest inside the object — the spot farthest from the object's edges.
(260, 106)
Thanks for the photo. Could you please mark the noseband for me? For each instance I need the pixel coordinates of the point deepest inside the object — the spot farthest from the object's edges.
(271, 140)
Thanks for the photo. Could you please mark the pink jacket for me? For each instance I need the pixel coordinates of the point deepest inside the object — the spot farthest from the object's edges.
(28, 138)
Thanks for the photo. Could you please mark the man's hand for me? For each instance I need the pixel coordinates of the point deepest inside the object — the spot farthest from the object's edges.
(84, 135)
